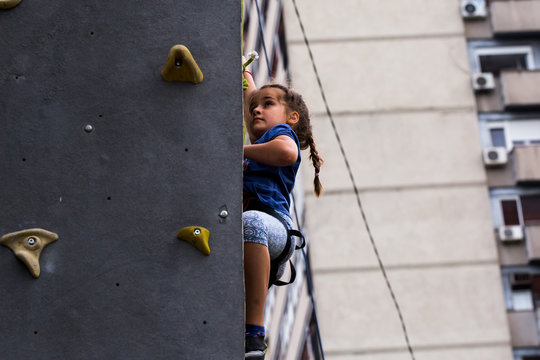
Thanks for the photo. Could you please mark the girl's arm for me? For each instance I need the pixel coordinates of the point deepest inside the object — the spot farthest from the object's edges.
(247, 93)
(280, 151)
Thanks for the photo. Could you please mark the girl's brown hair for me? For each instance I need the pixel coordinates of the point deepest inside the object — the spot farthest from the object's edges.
(302, 128)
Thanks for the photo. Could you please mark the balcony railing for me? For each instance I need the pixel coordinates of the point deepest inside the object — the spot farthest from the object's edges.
(520, 88)
(527, 163)
(523, 328)
(515, 17)
(532, 235)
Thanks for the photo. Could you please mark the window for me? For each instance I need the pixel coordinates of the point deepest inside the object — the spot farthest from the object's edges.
(522, 300)
(510, 212)
(495, 59)
(495, 63)
(511, 132)
(497, 137)
(524, 290)
(525, 142)
(531, 209)
(522, 210)
(535, 285)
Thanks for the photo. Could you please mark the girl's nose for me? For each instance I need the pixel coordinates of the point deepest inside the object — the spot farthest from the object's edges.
(257, 110)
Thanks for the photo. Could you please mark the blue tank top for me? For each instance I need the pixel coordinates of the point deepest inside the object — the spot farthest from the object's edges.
(272, 184)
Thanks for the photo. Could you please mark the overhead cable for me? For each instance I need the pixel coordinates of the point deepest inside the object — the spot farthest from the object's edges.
(355, 188)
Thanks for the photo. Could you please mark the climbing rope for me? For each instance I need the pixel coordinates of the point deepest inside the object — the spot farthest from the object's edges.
(356, 192)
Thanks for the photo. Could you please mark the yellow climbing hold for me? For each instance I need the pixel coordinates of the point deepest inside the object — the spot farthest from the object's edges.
(8, 4)
(27, 246)
(196, 236)
(181, 66)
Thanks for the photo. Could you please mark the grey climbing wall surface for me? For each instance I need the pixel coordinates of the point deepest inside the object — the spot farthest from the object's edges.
(97, 148)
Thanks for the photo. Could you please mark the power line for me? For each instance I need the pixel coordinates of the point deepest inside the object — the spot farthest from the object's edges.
(351, 176)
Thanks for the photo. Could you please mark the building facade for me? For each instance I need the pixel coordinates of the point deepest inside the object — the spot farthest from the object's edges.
(503, 40)
(436, 107)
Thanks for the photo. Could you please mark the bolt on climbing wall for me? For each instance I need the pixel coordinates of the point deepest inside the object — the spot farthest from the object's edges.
(131, 178)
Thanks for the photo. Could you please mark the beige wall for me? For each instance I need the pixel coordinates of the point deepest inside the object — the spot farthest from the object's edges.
(397, 79)
(493, 352)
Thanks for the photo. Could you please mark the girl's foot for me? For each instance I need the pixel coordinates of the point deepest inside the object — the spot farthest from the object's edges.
(255, 348)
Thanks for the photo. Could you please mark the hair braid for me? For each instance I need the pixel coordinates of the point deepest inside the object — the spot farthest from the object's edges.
(317, 162)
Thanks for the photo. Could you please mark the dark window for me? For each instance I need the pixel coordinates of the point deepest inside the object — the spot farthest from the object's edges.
(510, 212)
(530, 205)
(497, 137)
(536, 288)
(534, 357)
(495, 63)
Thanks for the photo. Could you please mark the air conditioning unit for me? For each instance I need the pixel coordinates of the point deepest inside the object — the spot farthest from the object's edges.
(473, 9)
(483, 81)
(520, 280)
(510, 233)
(495, 156)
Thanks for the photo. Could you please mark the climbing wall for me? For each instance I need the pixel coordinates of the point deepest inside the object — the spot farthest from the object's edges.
(100, 150)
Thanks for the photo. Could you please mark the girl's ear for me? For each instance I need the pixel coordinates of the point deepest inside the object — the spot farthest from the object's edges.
(293, 117)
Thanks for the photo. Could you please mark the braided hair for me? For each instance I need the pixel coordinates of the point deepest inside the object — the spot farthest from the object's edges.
(294, 102)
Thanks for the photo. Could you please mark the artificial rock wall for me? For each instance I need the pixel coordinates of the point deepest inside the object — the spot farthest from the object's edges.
(99, 149)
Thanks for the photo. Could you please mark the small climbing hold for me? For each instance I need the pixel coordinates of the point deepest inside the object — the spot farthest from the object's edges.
(8, 4)
(196, 236)
(181, 66)
(27, 246)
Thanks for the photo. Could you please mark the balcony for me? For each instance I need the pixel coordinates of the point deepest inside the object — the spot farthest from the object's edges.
(520, 89)
(523, 328)
(527, 163)
(515, 17)
(532, 235)
(523, 168)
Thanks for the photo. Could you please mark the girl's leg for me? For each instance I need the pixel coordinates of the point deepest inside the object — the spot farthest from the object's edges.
(257, 274)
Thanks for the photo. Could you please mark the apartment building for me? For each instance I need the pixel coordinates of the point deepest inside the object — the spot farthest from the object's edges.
(437, 108)
(503, 40)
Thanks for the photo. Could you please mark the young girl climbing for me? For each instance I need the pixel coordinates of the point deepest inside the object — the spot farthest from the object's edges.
(278, 125)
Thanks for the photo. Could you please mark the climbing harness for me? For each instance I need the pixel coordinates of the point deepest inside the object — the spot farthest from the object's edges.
(251, 202)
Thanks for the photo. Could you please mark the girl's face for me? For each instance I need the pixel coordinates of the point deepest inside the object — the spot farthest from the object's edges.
(266, 110)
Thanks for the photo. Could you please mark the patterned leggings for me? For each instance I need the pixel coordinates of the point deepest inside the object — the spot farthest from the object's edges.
(264, 229)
